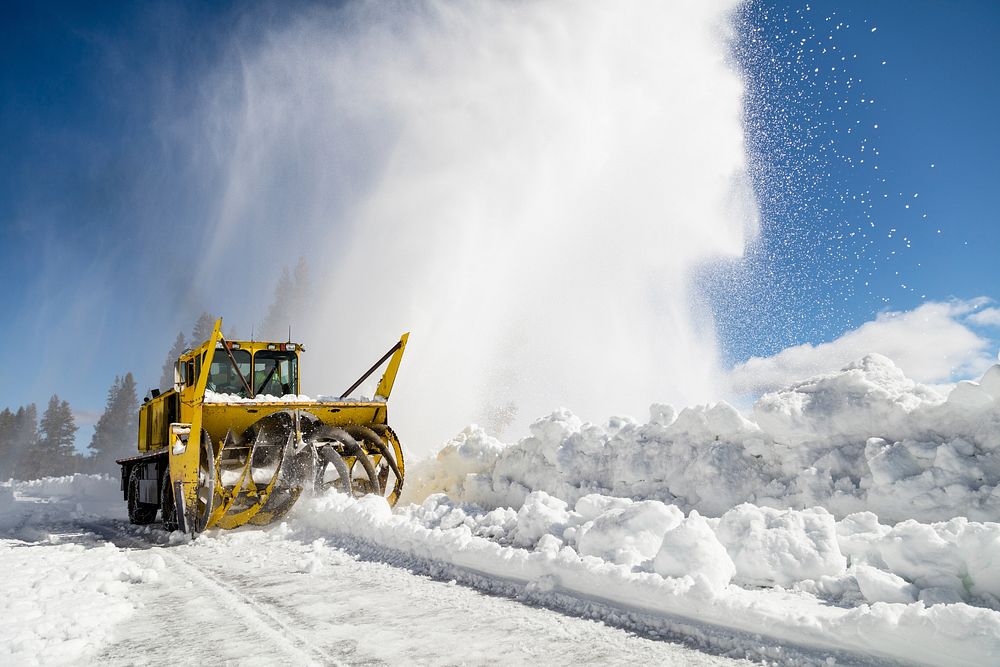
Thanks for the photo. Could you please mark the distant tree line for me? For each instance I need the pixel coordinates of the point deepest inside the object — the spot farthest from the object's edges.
(31, 448)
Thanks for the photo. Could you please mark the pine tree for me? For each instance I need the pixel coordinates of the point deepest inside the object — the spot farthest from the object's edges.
(24, 441)
(303, 282)
(116, 430)
(7, 454)
(54, 454)
(290, 295)
(167, 377)
(278, 314)
(202, 329)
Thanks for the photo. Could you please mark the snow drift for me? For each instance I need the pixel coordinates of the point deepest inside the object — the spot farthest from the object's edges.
(839, 598)
(66, 599)
(860, 500)
(863, 439)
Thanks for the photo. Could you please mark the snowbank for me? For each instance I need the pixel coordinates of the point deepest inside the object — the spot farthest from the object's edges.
(65, 601)
(26, 507)
(78, 487)
(863, 439)
(66, 587)
(749, 546)
(647, 556)
(853, 509)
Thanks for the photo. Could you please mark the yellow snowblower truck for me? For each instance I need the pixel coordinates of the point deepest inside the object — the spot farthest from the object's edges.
(233, 443)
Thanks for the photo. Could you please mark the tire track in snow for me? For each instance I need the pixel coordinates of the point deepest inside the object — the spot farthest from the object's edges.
(256, 615)
(267, 619)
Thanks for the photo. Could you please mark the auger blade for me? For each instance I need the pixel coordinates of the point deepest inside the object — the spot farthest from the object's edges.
(231, 495)
(232, 520)
(354, 450)
(328, 454)
(368, 435)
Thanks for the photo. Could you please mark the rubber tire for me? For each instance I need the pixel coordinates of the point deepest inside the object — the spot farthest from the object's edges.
(168, 510)
(138, 513)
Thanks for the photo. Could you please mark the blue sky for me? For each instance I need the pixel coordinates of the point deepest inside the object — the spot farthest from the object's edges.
(101, 216)
(915, 85)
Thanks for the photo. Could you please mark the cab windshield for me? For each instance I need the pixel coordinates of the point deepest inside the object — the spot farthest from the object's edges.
(275, 373)
(223, 378)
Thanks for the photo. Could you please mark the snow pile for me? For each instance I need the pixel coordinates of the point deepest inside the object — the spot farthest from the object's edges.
(66, 599)
(693, 549)
(70, 587)
(750, 546)
(952, 561)
(26, 507)
(781, 547)
(890, 595)
(628, 535)
(78, 487)
(859, 500)
(864, 438)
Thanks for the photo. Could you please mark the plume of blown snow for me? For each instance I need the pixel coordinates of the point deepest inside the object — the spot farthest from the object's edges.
(527, 187)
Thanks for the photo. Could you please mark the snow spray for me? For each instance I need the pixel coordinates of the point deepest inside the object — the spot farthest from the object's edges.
(526, 187)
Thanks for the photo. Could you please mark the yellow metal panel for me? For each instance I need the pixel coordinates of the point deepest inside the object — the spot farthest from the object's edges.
(218, 418)
(157, 428)
(184, 461)
(385, 386)
(144, 428)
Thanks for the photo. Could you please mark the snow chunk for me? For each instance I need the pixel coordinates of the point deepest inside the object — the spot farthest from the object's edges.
(692, 549)
(868, 397)
(456, 470)
(772, 546)
(881, 586)
(541, 514)
(631, 534)
(593, 505)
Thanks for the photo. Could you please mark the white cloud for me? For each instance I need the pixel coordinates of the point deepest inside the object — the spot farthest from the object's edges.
(988, 317)
(930, 344)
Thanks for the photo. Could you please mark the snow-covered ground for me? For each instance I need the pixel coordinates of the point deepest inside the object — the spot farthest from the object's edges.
(848, 519)
(82, 586)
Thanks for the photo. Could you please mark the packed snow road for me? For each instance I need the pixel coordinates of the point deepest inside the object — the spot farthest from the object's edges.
(251, 597)
(89, 588)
